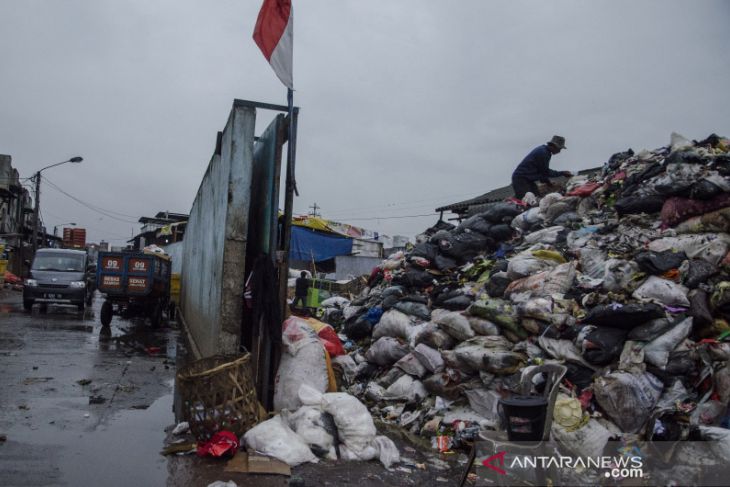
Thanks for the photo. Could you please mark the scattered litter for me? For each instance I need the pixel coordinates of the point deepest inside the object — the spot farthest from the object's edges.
(181, 428)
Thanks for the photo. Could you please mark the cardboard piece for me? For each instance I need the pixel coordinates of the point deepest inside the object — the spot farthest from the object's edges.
(257, 464)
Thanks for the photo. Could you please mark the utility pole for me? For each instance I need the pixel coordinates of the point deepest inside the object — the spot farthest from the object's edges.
(36, 210)
(314, 210)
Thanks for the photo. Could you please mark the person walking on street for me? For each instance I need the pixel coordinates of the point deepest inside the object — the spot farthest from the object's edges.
(300, 292)
(536, 167)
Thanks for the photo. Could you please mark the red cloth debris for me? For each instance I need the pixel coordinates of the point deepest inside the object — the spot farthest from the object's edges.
(220, 444)
(677, 209)
(584, 190)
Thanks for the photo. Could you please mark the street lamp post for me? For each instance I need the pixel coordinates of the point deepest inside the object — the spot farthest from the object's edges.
(37, 178)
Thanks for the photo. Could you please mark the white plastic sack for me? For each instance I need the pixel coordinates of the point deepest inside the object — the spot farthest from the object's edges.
(393, 323)
(308, 423)
(587, 441)
(454, 323)
(411, 365)
(406, 389)
(348, 366)
(658, 350)
(526, 220)
(386, 351)
(276, 439)
(430, 358)
(546, 235)
(484, 402)
(350, 311)
(523, 265)
(556, 281)
(664, 291)
(355, 426)
(548, 200)
(563, 350)
(303, 362)
(387, 451)
(593, 262)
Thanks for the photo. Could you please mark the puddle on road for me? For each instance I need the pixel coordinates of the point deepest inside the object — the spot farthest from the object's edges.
(123, 450)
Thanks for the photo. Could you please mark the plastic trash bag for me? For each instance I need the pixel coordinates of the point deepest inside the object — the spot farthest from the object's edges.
(453, 323)
(603, 345)
(503, 362)
(657, 351)
(316, 428)
(484, 402)
(502, 212)
(497, 284)
(711, 247)
(482, 327)
(431, 359)
(419, 310)
(565, 205)
(335, 302)
(499, 312)
(406, 389)
(587, 441)
(548, 200)
(393, 323)
(634, 204)
(619, 275)
(386, 351)
(627, 399)
(556, 281)
(474, 223)
(457, 303)
(696, 272)
(355, 426)
(563, 350)
(657, 263)
(593, 262)
(624, 316)
(411, 365)
(548, 235)
(526, 264)
(650, 330)
(303, 362)
(444, 384)
(664, 291)
(472, 353)
(435, 337)
(274, 438)
(527, 220)
(388, 453)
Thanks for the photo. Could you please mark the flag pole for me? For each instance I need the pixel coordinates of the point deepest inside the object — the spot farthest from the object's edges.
(290, 190)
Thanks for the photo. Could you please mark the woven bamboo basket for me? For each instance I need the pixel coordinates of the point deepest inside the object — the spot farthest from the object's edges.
(218, 394)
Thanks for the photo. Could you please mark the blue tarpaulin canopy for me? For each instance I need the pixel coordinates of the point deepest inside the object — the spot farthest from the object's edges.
(307, 244)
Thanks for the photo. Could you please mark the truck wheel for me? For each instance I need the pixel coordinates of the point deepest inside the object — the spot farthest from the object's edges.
(27, 305)
(106, 313)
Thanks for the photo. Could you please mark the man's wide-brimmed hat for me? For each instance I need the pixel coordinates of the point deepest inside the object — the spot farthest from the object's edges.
(558, 142)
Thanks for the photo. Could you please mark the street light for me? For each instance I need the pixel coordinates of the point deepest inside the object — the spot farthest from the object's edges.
(37, 178)
(55, 227)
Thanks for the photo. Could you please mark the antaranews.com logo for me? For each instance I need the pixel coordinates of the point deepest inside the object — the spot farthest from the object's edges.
(616, 467)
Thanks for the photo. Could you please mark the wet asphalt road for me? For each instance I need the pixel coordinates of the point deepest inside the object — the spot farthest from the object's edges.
(81, 404)
(86, 405)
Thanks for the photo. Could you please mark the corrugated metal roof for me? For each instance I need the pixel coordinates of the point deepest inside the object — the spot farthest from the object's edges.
(499, 194)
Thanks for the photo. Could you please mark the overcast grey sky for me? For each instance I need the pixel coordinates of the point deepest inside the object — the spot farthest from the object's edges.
(405, 106)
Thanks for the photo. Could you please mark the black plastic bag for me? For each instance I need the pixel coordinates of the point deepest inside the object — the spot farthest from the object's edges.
(699, 272)
(704, 190)
(579, 375)
(457, 303)
(631, 205)
(497, 285)
(358, 328)
(414, 278)
(615, 160)
(502, 212)
(474, 224)
(466, 246)
(657, 263)
(500, 232)
(426, 250)
(651, 330)
(419, 310)
(567, 218)
(625, 317)
(443, 263)
(603, 345)
(699, 309)
(684, 157)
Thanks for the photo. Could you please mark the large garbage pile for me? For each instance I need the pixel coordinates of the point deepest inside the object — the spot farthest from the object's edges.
(623, 277)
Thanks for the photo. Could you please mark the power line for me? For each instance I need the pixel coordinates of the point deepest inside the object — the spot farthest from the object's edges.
(391, 217)
(99, 210)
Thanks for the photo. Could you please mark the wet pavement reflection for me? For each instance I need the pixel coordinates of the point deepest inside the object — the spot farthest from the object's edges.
(81, 403)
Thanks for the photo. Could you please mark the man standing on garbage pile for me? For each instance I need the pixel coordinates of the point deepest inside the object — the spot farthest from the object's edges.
(300, 292)
(536, 167)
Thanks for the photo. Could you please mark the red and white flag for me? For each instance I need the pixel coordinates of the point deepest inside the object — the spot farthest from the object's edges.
(274, 34)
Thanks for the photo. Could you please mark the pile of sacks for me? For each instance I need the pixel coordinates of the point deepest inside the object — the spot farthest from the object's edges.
(623, 278)
(313, 423)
